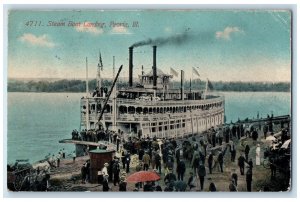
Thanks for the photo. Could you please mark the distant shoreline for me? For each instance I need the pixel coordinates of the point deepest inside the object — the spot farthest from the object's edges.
(78, 86)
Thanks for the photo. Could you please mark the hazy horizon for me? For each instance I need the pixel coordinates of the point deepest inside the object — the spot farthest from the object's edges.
(135, 79)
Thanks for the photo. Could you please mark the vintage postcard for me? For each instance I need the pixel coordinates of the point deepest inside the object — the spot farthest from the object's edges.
(149, 100)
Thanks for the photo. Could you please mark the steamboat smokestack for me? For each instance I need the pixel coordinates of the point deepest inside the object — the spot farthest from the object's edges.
(182, 85)
(154, 68)
(130, 66)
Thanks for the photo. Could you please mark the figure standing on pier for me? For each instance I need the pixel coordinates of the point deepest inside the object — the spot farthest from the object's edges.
(105, 183)
(74, 156)
(210, 162)
(241, 164)
(232, 152)
(249, 179)
(221, 158)
(258, 155)
(201, 174)
(127, 161)
(247, 150)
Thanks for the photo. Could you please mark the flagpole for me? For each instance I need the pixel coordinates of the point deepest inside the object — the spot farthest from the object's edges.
(206, 89)
(114, 124)
(182, 85)
(192, 80)
(87, 95)
(191, 85)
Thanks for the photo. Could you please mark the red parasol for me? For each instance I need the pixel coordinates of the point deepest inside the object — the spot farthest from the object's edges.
(143, 176)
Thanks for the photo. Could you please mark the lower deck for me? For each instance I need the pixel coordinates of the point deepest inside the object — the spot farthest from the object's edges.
(169, 125)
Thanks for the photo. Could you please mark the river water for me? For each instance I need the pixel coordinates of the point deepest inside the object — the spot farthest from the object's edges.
(37, 121)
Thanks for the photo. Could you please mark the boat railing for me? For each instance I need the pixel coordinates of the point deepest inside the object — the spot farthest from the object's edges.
(156, 116)
(121, 101)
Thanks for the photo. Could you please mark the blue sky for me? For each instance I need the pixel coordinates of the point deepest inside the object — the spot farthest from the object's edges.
(225, 45)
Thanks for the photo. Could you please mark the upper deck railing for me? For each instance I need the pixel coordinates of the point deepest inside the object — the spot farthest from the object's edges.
(133, 102)
(156, 116)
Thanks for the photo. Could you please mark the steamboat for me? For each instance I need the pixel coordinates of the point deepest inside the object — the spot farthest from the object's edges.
(151, 108)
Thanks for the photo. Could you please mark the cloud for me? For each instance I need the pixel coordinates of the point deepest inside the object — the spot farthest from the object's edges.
(89, 29)
(42, 40)
(120, 30)
(226, 34)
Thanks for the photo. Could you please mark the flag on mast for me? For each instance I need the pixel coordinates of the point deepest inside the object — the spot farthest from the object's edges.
(173, 72)
(196, 72)
(209, 85)
(100, 64)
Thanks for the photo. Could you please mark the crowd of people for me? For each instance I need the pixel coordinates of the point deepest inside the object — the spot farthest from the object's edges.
(173, 158)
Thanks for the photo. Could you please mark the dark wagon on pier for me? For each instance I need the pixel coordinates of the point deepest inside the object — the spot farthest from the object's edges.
(18, 175)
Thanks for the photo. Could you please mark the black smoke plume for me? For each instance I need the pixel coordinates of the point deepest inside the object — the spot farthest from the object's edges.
(172, 40)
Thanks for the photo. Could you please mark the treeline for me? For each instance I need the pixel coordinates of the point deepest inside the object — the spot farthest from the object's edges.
(249, 86)
(80, 85)
(239, 86)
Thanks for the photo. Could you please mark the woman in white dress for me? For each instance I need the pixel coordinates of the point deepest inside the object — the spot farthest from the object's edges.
(257, 155)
